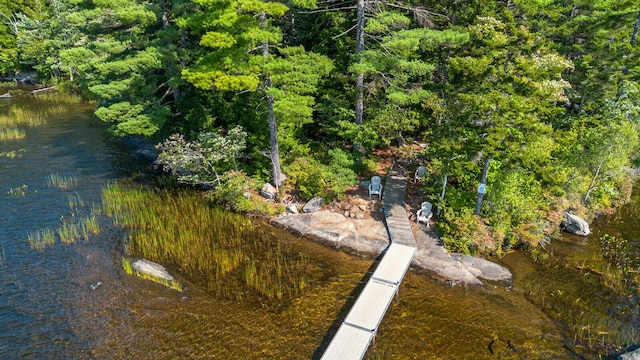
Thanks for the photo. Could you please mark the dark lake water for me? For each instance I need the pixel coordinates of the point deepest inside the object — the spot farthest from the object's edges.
(49, 308)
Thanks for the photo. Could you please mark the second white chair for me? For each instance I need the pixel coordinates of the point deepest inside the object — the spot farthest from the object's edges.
(424, 214)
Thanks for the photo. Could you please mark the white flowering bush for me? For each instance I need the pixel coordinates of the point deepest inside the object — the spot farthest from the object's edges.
(204, 160)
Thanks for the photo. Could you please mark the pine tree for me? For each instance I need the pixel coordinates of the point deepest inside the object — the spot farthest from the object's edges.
(239, 37)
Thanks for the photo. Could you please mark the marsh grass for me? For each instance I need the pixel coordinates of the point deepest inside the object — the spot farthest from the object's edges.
(11, 134)
(8, 85)
(224, 252)
(69, 232)
(75, 201)
(12, 154)
(63, 182)
(41, 238)
(91, 225)
(16, 118)
(82, 224)
(19, 191)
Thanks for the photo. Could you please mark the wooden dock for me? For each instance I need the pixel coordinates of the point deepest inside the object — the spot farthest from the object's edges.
(358, 329)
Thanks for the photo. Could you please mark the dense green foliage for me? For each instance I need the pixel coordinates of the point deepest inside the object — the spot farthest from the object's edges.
(545, 92)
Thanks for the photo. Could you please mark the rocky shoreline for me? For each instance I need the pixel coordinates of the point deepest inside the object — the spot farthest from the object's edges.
(368, 237)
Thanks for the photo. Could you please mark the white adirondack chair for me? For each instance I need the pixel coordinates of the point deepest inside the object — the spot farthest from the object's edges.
(424, 214)
(375, 188)
(419, 174)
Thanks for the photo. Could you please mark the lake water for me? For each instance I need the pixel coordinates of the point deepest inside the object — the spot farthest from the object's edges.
(51, 306)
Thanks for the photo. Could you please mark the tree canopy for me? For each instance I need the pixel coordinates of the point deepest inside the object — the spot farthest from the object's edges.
(543, 94)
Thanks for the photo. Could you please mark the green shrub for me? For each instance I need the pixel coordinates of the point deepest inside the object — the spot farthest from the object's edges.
(232, 191)
(313, 178)
(464, 232)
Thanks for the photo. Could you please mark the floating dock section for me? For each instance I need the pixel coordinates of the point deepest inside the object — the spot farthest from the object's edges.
(358, 329)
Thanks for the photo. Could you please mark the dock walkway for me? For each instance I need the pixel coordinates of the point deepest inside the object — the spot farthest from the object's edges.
(358, 329)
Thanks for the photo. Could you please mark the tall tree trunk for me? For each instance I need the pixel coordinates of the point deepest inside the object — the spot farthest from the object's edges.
(482, 185)
(635, 29)
(273, 125)
(359, 49)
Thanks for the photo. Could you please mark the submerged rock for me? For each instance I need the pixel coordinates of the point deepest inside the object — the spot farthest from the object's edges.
(484, 269)
(633, 355)
(575, 225)
(155, 272)
(141, 148)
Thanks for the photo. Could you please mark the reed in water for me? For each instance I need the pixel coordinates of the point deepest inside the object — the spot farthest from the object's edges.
(225, 252)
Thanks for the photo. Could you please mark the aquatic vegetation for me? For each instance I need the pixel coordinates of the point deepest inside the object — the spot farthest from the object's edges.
(15, 118)
(63, 182)
(59, 98)
(75, 201)
(18, 191)
(606, 323)
(11, 134)
(69, 232)
(41, 238)
(223, 251)
(91, 225)
(12, 154)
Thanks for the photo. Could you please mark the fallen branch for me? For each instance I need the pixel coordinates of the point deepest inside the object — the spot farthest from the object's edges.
(7, 95)
(36, 91)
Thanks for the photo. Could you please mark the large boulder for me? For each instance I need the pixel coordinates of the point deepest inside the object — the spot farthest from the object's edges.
(141, 148)
(575, 225)
(269, 191)
(325, 226)
(313, 205)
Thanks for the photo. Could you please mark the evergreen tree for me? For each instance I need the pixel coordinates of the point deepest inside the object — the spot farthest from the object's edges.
(135, 70)
(13, 14)
(238, 38)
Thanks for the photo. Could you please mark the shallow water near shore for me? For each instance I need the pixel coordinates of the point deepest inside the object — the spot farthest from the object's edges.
(49, 309)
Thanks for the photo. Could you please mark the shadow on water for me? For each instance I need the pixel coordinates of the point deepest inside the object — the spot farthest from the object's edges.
(344, 310)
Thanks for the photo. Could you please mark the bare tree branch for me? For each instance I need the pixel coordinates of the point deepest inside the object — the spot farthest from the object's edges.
(343, 33)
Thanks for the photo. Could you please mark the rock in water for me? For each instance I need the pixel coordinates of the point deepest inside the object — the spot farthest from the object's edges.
(313, 205)
(633, 355)
(155, 272)
(575, 225)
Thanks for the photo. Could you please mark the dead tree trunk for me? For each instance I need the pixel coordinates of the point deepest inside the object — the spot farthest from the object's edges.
(273, 125)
